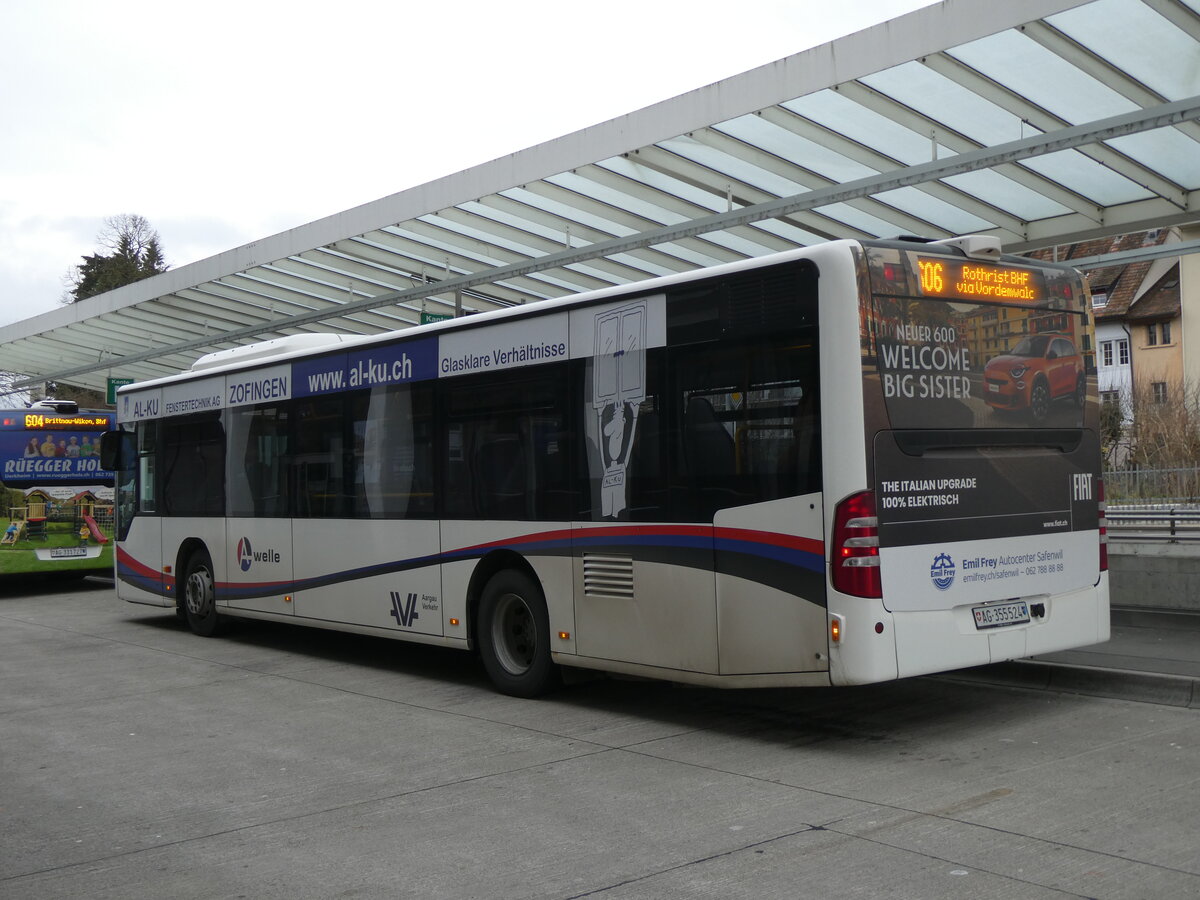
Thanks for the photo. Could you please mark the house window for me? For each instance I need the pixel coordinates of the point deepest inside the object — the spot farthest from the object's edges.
(1106, 353)
(1110, 398)
(1099, 298)
(1159, 389)
(1158, 333)
(1123, 352)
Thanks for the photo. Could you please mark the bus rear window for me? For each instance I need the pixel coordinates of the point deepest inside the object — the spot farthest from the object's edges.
(951, 345)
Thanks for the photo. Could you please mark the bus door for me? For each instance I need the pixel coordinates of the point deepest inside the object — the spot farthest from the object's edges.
(139, 563)
(367, 543)
(191, 462)
(259, 554)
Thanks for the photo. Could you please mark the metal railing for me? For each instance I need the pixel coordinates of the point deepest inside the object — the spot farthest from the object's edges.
(1161, 505)
(1150, 488)
(1157, 524)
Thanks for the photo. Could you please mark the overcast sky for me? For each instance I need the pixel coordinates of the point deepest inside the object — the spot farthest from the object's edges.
(225, 122)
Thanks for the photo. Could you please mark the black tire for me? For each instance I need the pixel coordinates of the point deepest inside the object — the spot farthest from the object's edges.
(198, 596)
(514, 636)
(1039, 400)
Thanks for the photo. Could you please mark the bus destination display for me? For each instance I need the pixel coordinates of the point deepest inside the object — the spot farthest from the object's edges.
(39, 448)
(39, 421)
(953, 278)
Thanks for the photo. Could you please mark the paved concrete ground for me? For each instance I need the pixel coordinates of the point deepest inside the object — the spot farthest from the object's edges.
(1142, 641)
(1153, 657)
(139, 761)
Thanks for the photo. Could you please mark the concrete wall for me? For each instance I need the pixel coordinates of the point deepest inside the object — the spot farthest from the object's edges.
(1153, 575)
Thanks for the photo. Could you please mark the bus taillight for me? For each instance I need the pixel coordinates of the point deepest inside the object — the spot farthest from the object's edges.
(856, 547)
(1103, 527)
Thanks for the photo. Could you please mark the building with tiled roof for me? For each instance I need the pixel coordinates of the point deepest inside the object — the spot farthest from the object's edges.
(1154, 322)
(1141, 333)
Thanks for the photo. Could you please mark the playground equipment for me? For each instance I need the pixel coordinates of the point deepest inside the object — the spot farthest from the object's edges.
(94, 529)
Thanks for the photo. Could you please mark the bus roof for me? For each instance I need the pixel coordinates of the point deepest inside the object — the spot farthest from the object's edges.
(278, 350)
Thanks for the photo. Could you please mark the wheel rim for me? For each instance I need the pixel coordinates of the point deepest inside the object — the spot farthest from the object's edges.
(514, 634)
(198, 592)
(1038, 402)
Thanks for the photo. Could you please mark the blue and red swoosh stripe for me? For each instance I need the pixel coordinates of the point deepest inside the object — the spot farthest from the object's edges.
(790, 563)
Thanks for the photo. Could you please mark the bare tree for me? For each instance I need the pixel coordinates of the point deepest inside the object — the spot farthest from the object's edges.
(11, 396)
(1158, 445)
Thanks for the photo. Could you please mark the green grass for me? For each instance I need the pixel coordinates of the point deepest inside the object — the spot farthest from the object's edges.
(21, 558)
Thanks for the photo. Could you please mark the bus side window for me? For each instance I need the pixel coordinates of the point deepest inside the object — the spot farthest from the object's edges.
(256, 467)
(507, 441)
(393, 452)
(622, 449)
(803, 462)
(194, 466)
(750, 424)
(147, 446)
(320, 456)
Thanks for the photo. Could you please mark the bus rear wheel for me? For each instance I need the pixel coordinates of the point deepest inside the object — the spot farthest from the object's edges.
(199, 596)
(514, 636)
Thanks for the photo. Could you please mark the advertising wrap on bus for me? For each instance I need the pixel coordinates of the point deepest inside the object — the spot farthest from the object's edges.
(39, 448)
(979, 371)
(841, 465)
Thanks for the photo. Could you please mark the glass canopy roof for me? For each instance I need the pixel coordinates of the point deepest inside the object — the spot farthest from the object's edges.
(738, 169)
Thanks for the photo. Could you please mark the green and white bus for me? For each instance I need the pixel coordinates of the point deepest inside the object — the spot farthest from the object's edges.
(56, 515)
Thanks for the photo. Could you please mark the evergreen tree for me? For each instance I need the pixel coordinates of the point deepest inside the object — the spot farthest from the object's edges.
(135, 253)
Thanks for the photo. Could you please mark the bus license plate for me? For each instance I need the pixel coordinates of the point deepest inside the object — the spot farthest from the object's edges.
(1000, 614)
(68, 552)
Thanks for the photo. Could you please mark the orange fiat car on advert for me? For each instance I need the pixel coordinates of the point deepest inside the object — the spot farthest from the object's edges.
(1040, 369)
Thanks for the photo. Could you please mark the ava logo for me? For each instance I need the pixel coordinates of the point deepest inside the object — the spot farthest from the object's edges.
(404, 611)
(244, 554)
(942, 571)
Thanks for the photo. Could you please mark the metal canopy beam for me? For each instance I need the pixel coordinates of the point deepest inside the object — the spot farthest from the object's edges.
(1159, 117)
(903, 127)
(1141, 254)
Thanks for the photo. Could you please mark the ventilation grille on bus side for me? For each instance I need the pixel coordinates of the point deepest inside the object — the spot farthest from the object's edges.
(607, 576)
(758, 301)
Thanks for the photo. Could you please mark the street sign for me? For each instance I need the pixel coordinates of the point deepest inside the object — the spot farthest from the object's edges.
(427, 318)
(113, 384)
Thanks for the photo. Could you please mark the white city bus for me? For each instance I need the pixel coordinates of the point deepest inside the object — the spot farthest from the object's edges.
(839, 465)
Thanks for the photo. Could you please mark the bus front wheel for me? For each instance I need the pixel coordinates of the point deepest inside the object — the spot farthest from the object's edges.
(514, 636)
(199, 597)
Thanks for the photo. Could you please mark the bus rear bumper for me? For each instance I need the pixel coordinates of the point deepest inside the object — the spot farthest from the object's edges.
(943, 640)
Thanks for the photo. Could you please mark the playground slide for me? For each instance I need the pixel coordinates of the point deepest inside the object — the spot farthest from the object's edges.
(97, 534)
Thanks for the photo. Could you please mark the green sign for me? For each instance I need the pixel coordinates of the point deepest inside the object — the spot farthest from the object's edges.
(113, 384)
(427, 318)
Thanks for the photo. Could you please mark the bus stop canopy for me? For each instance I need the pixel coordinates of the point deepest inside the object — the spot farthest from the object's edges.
(1042, 122)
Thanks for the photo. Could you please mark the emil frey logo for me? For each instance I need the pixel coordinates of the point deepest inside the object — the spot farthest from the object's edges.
(942, 571)
(246, 555)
